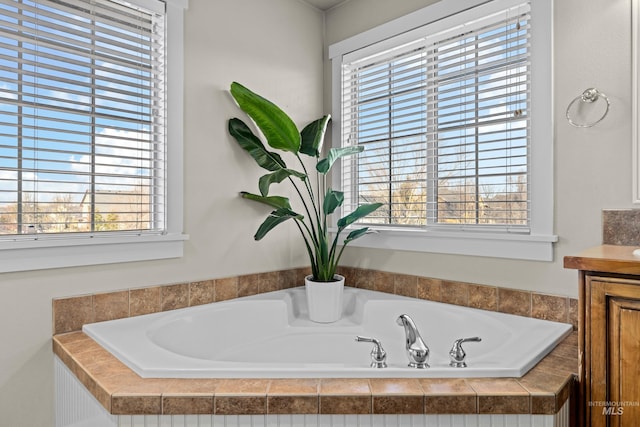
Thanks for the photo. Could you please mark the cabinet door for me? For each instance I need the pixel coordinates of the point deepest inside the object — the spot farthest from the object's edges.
(614, 353)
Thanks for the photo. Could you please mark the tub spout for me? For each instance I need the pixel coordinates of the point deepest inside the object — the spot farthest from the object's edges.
(417, 350)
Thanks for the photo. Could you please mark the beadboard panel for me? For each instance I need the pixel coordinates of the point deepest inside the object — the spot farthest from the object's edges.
(76, 407)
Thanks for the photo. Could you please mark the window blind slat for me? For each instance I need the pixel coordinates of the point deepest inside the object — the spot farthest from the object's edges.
(444, 122)
(82, 138)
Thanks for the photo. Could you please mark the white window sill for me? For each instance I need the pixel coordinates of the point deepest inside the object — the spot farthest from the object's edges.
(499, 245)
(42, 252)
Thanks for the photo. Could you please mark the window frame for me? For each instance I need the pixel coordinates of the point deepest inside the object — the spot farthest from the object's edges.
(41, 251)
(537, 244)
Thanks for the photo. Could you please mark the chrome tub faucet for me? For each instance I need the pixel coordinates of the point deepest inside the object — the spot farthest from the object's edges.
(417, 350)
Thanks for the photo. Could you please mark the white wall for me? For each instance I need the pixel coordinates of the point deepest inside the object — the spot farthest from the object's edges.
(275, 48)
(592, 48)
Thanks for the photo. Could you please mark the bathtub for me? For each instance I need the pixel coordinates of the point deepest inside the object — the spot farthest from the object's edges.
(270, 336)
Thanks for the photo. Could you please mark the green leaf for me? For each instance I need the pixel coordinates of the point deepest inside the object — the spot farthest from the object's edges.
(313, 136)
(274, 219)
(252, 144)
(275, 124)
(273, 201)
(324, 165)
(355, 234)
(361, 212)
(332, 201)
(276, 177)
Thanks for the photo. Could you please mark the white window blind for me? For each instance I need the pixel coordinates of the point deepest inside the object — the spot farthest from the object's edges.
(444, 120)
(82, 117)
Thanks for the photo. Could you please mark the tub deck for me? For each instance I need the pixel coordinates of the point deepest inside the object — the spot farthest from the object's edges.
(543, 390)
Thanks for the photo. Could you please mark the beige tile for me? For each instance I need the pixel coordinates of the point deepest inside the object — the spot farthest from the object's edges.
(185, 386)
(348, 404)
(503, 404)
(242, 387)
(383, 281)
(96, 389)
(403, 386)
(448, 396)
(108, 367)
(69, 314)
(388, 404)
(454, 404)
(539, 381)
(269, 282)
(445, 387)
(512, 301)
(294, 386)
(549, 307)
(226, 289)
(248, 285)
(483, 297)
(558, 365)
(110, 306)
(240, 405)
(144, 301)
(397, 396)
(567, 351)
(301, 273)
(406, 285)
(345, 386)
(348, 273)
(174, 296)
(93, 357)
(573, 313)
(202, 292)
(75, 342)
(543, 404)
(288, 279)
(546, 390)
(139, 397)
(112, 382)
(496, 386)
(127, 404)
(188, 404)
(345, 396)
(145, 386)
(500, 396)
(292, 404)
(572, 339)
(455, 293)
(430, 289)
(363, 279)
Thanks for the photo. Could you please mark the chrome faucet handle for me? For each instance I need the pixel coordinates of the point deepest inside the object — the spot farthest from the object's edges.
(378, 355)
(457, 354)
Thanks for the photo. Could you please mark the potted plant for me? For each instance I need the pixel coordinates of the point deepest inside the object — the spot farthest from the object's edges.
(317, 201)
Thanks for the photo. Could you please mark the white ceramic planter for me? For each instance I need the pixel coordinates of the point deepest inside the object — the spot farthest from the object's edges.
(324, 299)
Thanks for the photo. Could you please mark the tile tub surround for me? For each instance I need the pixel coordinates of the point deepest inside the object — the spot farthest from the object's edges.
(69, 314)
(543, 390)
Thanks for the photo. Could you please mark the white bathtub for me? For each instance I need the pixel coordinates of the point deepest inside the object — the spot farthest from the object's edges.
(270, 336)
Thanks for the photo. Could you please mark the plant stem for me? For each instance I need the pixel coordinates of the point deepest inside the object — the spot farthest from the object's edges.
(310, 190)
(306, 208)
(314, 264)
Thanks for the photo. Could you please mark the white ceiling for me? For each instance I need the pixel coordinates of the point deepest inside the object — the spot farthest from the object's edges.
(324, 4)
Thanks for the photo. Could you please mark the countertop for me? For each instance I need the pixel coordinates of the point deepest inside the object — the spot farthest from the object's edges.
(606, 258)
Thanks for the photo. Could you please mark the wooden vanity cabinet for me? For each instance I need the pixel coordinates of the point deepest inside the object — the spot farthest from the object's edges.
(609, 336)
